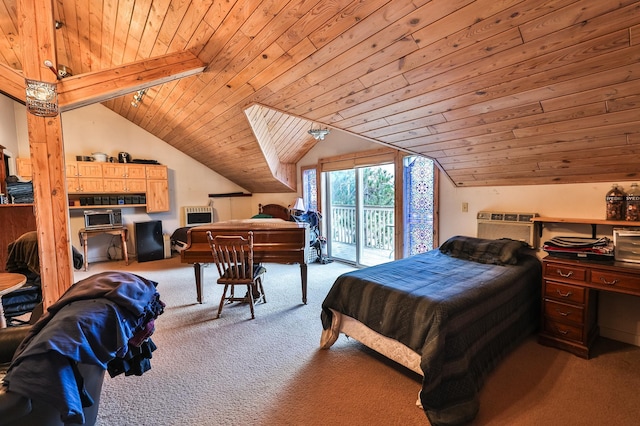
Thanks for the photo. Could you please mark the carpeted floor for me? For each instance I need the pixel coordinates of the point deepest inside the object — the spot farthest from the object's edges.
(270, 371)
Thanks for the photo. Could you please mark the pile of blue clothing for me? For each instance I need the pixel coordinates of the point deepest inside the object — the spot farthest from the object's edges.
(106, 318)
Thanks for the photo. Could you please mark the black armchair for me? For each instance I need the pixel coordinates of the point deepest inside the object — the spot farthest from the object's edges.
(23, 258)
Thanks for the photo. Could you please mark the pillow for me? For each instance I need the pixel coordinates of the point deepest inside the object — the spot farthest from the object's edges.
(504, 251)
(262, 216)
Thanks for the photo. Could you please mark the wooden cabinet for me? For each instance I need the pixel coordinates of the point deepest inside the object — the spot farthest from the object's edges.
(16, 219)
(84, 177)
(157, 189)
(124, 171)
(88, 178)
(119, 177)
(84, 185)
(570, 299)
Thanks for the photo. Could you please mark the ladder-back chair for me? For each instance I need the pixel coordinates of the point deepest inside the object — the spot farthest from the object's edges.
(233, 256)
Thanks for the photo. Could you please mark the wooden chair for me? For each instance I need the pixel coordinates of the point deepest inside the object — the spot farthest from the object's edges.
(233, 256)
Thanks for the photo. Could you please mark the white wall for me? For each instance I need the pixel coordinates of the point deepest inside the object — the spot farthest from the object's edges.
(8, 136)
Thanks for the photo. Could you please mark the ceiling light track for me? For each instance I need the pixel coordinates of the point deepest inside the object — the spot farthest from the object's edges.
(137, 98)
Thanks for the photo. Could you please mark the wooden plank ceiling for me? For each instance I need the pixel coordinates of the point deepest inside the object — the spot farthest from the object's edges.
(499, 92)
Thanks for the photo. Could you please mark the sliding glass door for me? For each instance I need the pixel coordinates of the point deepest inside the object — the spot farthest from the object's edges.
(343, 223)
(361, 221)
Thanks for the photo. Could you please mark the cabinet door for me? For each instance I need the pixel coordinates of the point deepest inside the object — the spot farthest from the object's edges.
(113, 170)
(135, 171)
(114, 184)
(135, 185)
(91, 184)
(157, 195)
(156, 172)
(88, 169)
(71, 169)
(73, 186)
(24, 169)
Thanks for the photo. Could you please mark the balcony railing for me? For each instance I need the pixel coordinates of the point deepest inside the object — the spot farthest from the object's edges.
(378, 229)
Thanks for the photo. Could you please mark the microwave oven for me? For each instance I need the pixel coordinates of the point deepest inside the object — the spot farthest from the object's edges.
(102, 219)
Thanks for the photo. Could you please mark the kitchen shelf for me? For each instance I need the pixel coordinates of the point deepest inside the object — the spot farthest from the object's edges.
(105, 206)
(585, 221)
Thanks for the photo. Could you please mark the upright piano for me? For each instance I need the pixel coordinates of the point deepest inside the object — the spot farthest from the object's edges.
(274, 241)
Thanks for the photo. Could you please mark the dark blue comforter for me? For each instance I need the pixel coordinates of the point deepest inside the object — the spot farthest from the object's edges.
(461, 316)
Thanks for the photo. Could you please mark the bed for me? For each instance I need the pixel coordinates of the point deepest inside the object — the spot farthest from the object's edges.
(450, 314)
(273, 211)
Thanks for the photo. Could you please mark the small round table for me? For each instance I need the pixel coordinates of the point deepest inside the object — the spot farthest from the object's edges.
(9, 282)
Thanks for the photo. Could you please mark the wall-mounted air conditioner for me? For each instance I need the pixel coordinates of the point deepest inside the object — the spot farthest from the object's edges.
(517, 226)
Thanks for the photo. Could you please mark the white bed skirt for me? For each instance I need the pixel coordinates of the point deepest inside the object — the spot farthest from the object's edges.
(386, 346)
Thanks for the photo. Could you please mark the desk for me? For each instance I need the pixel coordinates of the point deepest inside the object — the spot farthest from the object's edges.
(569, 299)
(121, 231)
(8, 283)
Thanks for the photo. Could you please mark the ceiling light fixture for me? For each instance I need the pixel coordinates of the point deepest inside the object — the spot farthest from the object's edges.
(63, 71)
(137, 98)
(319, 133)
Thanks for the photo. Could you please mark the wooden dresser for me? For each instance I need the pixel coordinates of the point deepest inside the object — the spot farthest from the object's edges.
(15, 220)
(570, 299)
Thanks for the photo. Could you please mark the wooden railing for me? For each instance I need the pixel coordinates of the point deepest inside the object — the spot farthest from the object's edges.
(378, 229)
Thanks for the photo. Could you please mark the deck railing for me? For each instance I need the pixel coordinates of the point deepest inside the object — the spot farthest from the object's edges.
(378, 229)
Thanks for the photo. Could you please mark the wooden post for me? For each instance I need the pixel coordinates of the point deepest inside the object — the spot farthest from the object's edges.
(36, 26)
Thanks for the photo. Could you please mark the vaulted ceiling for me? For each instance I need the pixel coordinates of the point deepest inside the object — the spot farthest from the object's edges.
(498, 92)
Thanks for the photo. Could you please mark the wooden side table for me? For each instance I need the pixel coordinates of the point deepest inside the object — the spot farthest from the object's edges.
(9, 282)
(121, 231)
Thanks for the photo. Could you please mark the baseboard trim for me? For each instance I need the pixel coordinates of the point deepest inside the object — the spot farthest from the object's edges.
(621, 336)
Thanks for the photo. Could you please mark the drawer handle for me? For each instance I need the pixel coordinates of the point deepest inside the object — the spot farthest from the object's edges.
(605, 282)
(564, 314)
(567, 294)
(563, 332)
(567, 275)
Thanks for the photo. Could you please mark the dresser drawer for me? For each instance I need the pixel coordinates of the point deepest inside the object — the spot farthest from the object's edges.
(564, 331)
(566, 292)
(614, 280)
(564, 272)
(564, 312)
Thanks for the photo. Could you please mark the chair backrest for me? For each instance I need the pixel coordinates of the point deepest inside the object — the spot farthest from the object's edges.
(233, 256)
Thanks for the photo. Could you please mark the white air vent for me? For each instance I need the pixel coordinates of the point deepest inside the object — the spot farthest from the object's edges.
(197, 215)
(517, 226)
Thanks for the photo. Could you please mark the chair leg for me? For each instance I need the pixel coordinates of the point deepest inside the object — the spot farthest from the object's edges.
(250, 294)
(224, 293)
(261, 288)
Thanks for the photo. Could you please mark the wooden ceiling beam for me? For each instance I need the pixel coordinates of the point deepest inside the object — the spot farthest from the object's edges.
(51, 205)
(85, 89)
(12, 83)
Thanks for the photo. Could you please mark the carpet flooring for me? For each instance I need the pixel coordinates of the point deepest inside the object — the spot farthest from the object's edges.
(270, 371)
